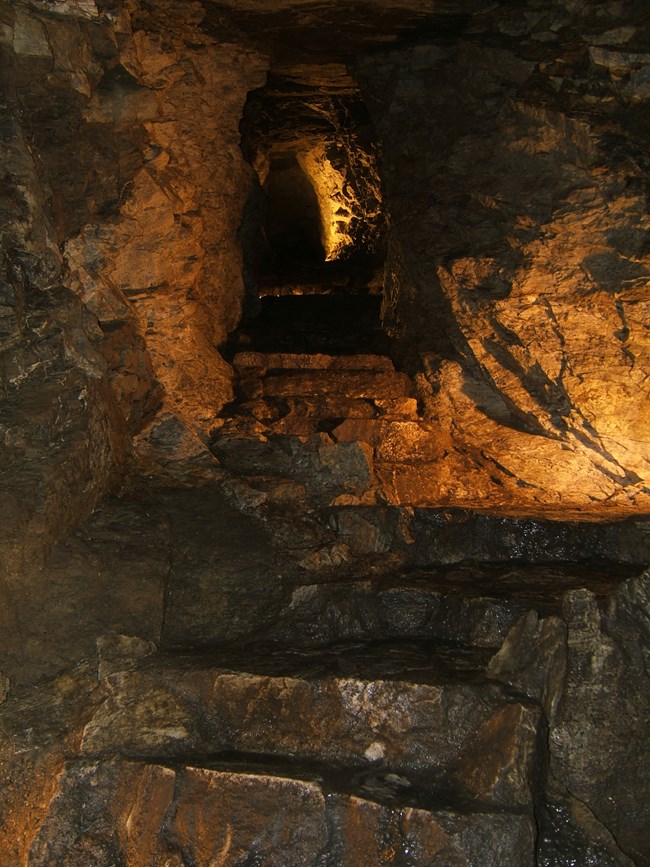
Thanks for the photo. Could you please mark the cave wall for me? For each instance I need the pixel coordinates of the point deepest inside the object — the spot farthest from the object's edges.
(122, 191)
(518, 265)
(170, 259)
(63, 437)
(131, 134)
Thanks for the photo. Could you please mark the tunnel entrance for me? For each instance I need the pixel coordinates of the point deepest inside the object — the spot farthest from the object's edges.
(314, 223)
(310, 350)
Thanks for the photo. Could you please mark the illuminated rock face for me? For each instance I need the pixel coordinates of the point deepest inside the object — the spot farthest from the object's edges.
(309, 127)
(519, 265)
(168, 263)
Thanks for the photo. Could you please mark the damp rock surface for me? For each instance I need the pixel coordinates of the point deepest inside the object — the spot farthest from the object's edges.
(439, 745)
(271, 818)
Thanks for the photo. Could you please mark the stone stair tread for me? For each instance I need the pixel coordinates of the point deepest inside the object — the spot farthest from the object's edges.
(407, 608)
(186, 813)
(295, 361)
(398, 407)
(542, 584)
(357, 384)
(380, 786)
(326, 407)
(476, 604)
(261, 427)
(199, 704)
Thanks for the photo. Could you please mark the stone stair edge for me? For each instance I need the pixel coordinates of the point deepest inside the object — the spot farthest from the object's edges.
(273, 361)
(310, 825)
(373, 785)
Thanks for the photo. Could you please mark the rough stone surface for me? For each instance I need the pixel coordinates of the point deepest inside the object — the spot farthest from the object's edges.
(217, 550)
(110, 576)
(184, 301)
(210, 816)
(327, 469)
(569, 831)
(417, 732)
(532, 659)
(602, 721)
(146, 217)
(489, 607)
(516, 253)
(38, 727)
(405, 727)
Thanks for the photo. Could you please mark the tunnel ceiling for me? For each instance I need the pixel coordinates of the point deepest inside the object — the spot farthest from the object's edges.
(315, 33)
(300, 36)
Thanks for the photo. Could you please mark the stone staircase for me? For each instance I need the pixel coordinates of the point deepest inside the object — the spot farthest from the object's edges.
(364, 752)
(306, 701)
(395, 720)
(301, 389)
(301, 395)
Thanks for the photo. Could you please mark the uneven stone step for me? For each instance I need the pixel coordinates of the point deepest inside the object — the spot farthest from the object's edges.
(124, 812)
(356, 384)
(326, 468)
(425, 712)
(326, 407)
(270, 408)
(269, 423)
(295, 426)
(390, 429)
(263, 361)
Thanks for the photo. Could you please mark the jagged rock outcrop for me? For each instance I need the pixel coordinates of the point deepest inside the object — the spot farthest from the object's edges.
(62, 435)
(518, 254)
(168, 264)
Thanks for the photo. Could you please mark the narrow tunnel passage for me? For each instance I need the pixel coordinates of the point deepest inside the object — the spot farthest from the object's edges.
(311, 350)
(314, 223)
(293, 220)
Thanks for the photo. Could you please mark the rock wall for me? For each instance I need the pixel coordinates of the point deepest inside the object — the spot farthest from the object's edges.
(518, 262)
(134, 131)
(62, 436)
(123, 189)
(168, 263)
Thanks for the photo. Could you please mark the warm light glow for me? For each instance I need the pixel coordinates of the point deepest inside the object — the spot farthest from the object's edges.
(336, 203)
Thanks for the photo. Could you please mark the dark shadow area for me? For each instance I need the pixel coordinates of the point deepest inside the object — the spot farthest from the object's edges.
(336, 324)
(293, 222)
